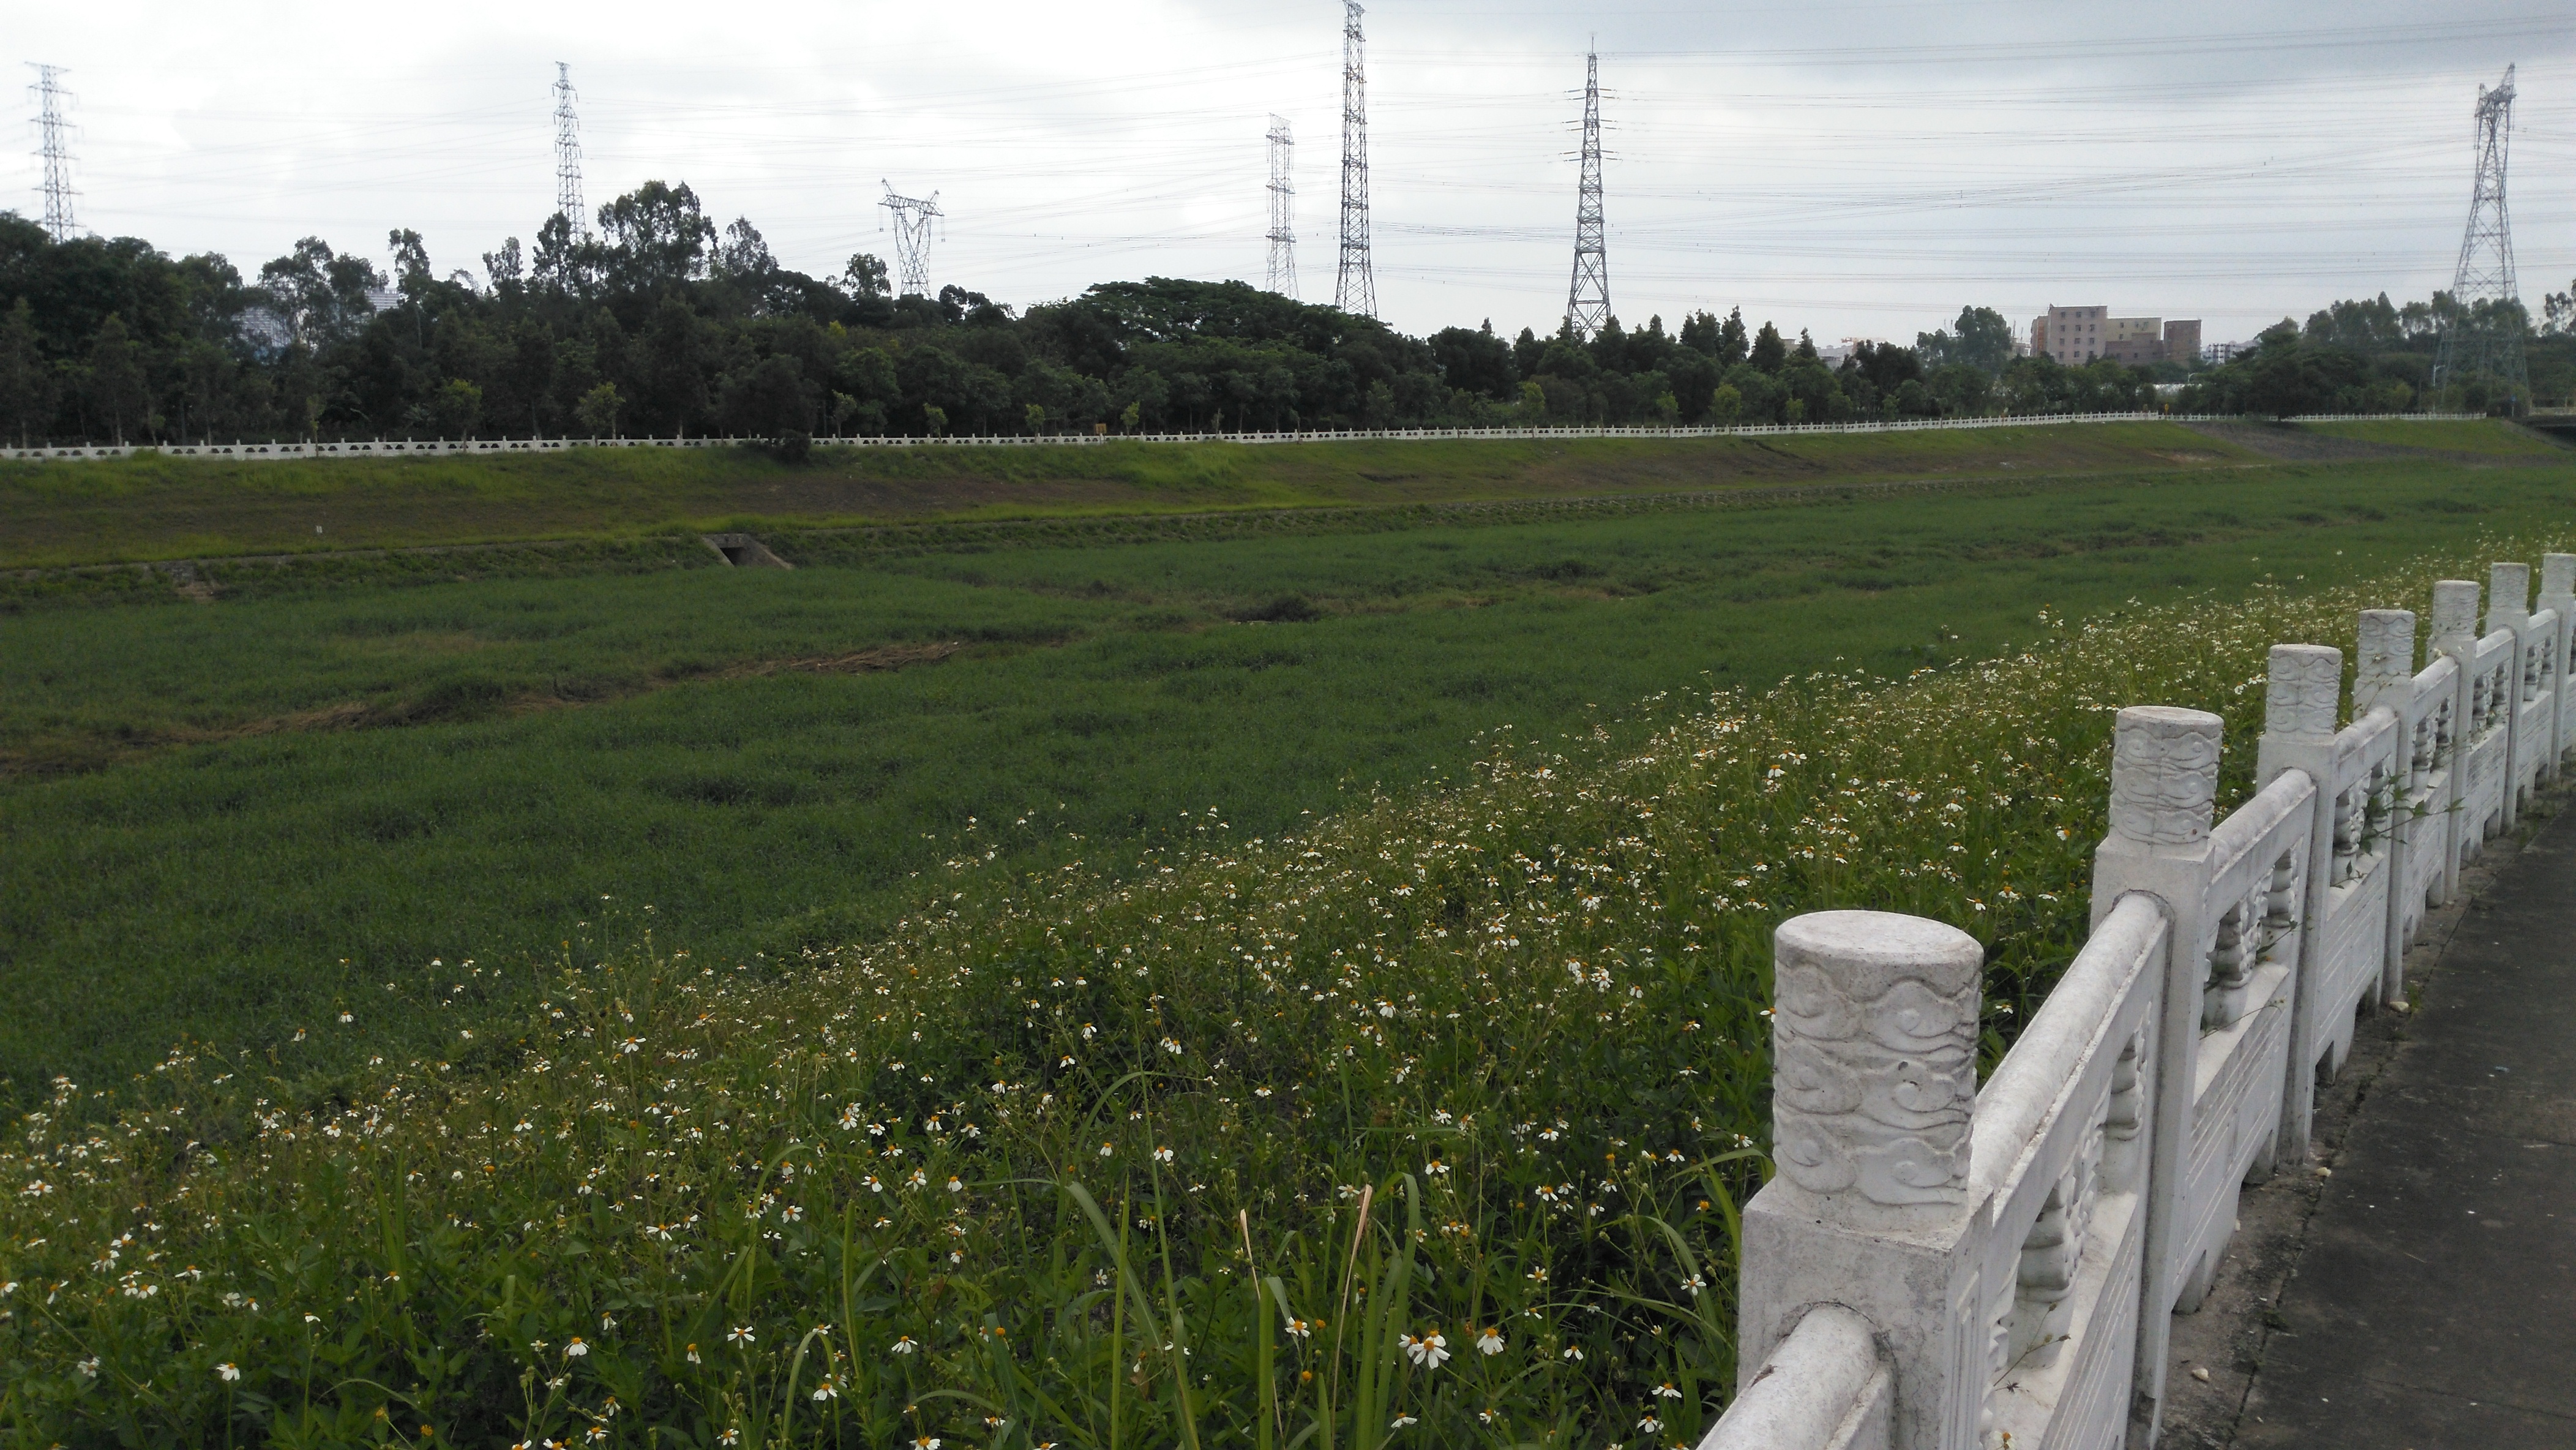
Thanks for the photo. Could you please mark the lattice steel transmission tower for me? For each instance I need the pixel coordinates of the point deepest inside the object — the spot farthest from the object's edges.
(1587, 301)
(1283, 209)
(568, 156)
(1354, 285)
(2484, 334)
(54, 144)
(912, 218)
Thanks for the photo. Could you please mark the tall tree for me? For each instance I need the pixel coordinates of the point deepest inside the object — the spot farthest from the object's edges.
(26, 383)
(114, 386)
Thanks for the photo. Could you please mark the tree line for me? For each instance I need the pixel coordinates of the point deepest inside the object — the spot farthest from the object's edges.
(2375, 356)
(659, 322)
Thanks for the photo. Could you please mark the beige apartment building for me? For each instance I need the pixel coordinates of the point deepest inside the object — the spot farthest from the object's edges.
(2075, 336)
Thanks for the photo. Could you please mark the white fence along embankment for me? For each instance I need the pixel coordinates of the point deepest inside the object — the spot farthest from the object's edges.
(1943, 1267)
(500, 447)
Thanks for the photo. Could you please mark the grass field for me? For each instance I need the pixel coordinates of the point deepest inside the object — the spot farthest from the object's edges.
(1428, 1125)
(2482, 439)
(224, 819)
(166, 508)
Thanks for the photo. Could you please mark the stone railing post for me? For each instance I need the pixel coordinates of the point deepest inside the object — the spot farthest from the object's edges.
(1873, 1033)
(2455, 633)
(2558, 592)
(2299, 709)
(2384, 679)
(2164, 793)
(2509, 607)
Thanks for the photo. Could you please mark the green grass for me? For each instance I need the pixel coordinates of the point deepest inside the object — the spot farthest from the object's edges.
(1209, 1154)
(160, 507)
(221, 820)
(2482, 437)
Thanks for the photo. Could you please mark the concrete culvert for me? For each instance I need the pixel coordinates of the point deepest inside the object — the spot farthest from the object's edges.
(743, 551)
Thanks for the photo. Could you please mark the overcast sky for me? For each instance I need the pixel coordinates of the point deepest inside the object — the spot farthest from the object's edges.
(1855, 167)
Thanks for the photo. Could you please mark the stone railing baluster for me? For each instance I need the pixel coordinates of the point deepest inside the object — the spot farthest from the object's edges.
(1874, 1055)
(2164, 791)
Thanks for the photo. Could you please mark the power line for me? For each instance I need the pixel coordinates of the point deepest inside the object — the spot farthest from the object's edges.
(54, 133)
(1283, 209)
(568, 156)
(912, 217)
(1587, 300)
(1354, 285)
(2485, 336)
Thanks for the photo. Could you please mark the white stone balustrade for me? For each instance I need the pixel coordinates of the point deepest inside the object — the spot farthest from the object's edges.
(1942, 1267)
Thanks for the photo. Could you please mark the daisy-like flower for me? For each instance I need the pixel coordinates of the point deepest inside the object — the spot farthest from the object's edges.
(1666, 1391)
(1400, 1421)
(693, 1355)
(576, 1349)
(730, 1437)
(827, 1391)
(1490, 1341)
(1574, 1352)
(1693, 1285)
(228, 1372)
(740, 1334)
(1650, 1424)
(1162, 1155)
(1107, 1149)
(926, 1442)
(1430, 1351)
(955, 1186)
(1299, 1329)
(596, 1434)
(88, 1367)
(904, 1345)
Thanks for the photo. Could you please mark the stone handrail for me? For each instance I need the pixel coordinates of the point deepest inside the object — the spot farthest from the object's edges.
(449, 447)
(2008, 1260)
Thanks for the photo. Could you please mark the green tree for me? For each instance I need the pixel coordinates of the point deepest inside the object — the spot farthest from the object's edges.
(1726, 406)
(456, 409)
(114, 385)
(1770, 352)
(26, 384)
(597, 411)
(1980, 339)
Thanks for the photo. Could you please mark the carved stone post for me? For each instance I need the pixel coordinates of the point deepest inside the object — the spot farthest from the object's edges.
(1873, 1034)
(2164, 790)
(2509, 608)
(2384, 679)
(2558, 592)
(2299, 734)
(2455, 633)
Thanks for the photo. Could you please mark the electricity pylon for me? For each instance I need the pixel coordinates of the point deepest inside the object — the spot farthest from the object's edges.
(912, 217)
(568, 156)
(54, 133)
(1283, 209)
(1354, 285)
(2483, 336)
(1587, 301)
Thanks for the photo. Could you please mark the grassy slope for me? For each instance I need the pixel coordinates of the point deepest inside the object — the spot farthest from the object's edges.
(166, 508)
(2484, 438)
(235, 888)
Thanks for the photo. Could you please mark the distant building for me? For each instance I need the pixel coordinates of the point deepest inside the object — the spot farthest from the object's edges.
(1835, 354)
(2182, 341)
(2074, 336)
(2069, 335)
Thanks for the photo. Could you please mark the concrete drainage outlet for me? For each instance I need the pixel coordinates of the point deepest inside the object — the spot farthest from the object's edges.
(743, 551)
